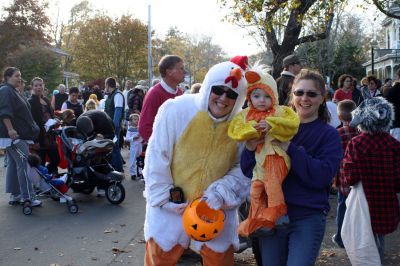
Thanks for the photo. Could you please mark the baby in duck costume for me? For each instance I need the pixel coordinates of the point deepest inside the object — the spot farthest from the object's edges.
(264, 117)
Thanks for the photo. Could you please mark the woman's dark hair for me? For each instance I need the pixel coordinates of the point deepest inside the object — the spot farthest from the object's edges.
(36, 79)
(374, 79)
(342, 78)
(168, 62)
(111, 82)
(306, 74)
(8, 72)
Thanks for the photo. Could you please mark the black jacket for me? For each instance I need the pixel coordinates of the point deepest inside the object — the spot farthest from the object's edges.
(37, 113)
(18, 110)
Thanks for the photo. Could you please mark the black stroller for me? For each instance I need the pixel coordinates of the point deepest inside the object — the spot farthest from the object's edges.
(46, 187)
(88, 165)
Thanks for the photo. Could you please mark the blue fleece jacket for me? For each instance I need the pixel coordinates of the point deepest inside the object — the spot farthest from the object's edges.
(315, 153)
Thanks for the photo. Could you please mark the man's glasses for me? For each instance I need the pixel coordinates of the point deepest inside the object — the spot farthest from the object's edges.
(311, 94)
(219, 90)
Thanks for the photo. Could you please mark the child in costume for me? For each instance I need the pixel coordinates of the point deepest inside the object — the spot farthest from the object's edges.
(344, 109)
(373, 158)
(265, 118)
(133, 137)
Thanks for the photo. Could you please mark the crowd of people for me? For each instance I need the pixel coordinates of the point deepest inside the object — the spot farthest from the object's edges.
(238, 135)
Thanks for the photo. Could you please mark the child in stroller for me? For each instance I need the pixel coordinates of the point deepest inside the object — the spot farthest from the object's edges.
(88, 164)
(46, 185)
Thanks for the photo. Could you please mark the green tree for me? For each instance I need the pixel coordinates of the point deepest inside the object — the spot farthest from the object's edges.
(343, 52)
(283, 24)
(37, 61)
(24, 23)
(103, 47)
(198, 52)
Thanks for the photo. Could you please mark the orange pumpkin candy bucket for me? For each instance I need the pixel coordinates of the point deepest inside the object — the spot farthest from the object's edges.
(202, 223)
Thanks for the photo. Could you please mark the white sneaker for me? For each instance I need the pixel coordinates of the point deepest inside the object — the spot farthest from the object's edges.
(14, 199)
(35, 203)
(101, 193)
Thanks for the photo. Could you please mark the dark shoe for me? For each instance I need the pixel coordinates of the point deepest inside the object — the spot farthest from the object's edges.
(336, 242)
(133, 177)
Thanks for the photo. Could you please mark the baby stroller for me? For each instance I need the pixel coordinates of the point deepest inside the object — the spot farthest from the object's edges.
(46, 186)
(88, 165)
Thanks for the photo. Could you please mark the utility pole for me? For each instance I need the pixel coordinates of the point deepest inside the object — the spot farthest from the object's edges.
(149, 48)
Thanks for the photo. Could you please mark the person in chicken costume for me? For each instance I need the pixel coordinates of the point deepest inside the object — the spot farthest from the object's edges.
(275, 123)
(190, 149)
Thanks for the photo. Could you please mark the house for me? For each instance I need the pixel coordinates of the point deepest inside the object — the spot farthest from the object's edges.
(385, 61)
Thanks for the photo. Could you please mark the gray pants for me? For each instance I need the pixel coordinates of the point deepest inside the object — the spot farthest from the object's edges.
(17, 181)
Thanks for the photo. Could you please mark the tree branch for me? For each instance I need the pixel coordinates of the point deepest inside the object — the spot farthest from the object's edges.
(382, 9)
(319, 36)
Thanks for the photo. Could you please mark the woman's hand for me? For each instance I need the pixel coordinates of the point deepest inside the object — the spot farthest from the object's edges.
(252, 144)
(13, 134)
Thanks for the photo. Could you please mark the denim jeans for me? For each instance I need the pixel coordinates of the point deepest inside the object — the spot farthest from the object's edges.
(380, 244)
(297, 244)
(116, 159)
(341, 210)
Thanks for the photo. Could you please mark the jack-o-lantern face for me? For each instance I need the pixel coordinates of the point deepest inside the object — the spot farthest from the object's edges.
(202, 223)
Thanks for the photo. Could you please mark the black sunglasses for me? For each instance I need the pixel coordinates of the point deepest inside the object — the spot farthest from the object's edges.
(311, 94)
(219, 90)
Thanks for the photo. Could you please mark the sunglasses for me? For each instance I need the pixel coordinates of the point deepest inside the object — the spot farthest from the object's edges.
(311, 94)
(219, 90)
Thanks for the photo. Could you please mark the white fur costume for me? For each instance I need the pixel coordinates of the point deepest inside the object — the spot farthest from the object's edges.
(172, 119)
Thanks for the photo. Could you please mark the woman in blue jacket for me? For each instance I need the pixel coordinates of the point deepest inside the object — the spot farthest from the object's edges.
(315, 153)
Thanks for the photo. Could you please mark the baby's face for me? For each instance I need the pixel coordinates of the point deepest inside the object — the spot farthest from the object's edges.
(260, 100)
(134, 121)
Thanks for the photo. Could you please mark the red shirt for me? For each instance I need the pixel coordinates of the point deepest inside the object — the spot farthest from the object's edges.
(346, 134)
(152, 101)
(374, 160)
(341, 95)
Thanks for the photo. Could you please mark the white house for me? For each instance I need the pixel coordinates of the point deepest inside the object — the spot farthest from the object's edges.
(386, 60)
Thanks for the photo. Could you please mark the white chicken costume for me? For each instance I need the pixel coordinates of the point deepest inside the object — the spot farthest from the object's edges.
(190, 149)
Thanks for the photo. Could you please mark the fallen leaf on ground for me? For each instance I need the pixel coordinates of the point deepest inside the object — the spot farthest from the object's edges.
(141, 241)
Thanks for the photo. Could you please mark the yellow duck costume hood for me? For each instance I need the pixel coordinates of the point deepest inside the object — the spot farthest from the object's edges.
(258, 78)
(229, 74)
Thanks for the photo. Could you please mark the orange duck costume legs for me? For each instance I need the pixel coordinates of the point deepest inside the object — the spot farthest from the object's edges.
(155, 256)
(267, 203)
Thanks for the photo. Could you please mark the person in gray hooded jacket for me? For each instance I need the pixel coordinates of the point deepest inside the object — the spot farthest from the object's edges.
(16, 126)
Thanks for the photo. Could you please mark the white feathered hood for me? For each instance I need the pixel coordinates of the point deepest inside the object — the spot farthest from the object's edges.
(227, 74)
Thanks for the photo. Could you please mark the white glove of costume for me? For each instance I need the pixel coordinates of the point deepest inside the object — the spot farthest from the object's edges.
(174, 207)
(213, 199)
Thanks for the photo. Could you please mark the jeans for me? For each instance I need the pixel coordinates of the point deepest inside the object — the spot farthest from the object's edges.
(341, 210)
(297, 244)
(116, 158)
(380, 244)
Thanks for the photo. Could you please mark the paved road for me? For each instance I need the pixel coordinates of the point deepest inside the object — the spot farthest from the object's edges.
(51, 235)
(104, 234)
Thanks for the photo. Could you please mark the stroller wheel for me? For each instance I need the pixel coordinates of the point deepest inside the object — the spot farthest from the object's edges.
(115, 193)
(27, 208)
(72, 207)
